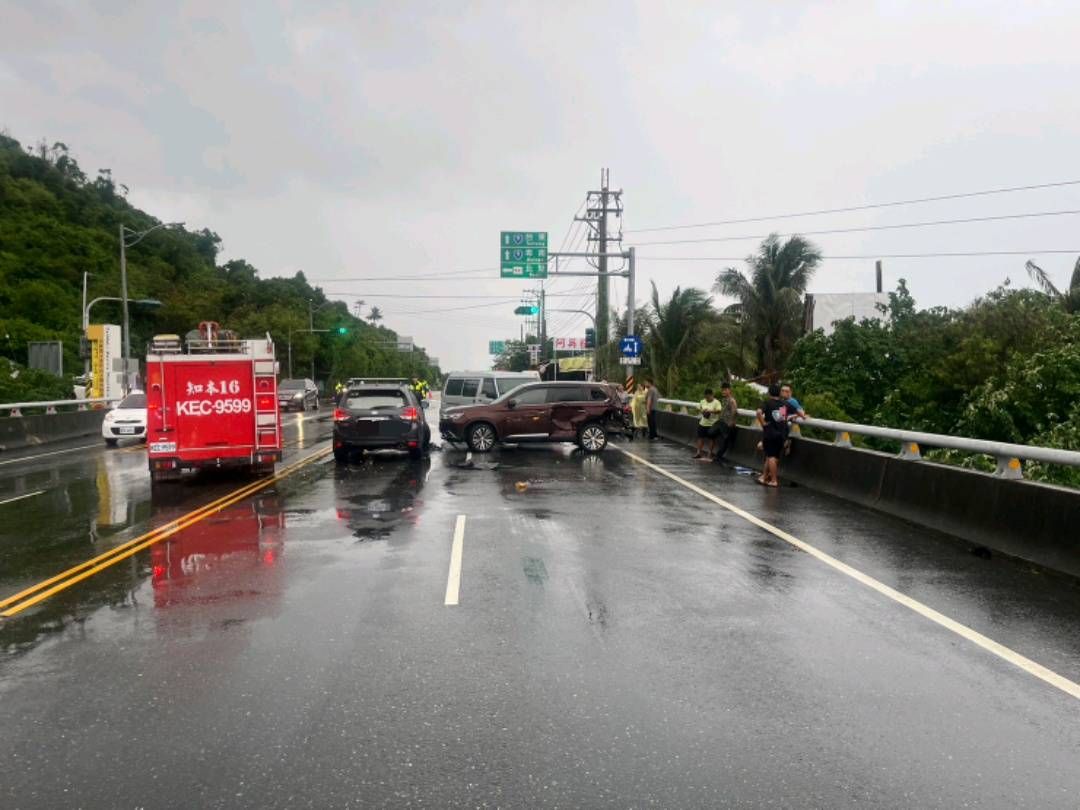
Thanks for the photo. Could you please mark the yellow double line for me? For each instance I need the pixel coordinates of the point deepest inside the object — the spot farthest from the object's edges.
(16, 603)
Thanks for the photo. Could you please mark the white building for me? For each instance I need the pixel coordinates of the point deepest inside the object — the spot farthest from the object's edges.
(823, 310)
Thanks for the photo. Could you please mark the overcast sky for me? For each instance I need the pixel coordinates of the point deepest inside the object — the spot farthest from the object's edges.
(398, 138)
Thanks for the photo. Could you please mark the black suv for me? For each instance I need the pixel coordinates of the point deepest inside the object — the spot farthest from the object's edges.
(380, 416)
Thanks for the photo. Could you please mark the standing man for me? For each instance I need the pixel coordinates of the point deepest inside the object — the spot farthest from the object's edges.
(710, 414)
(650, 405)
(794, 411)
(773, 418)
(729, 411)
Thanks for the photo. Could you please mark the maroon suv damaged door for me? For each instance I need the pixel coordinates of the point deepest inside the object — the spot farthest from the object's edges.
(569, 411)
(528, 418)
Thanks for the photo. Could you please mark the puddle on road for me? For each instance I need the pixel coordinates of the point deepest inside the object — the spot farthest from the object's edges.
(535, 570)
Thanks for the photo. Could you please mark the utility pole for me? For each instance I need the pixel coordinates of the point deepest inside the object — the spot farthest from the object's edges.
(543, 320)
(601, 263)
(600, 203)
(124, 296)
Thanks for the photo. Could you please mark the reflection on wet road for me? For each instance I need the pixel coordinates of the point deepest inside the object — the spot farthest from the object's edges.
(619, 641)
(89, 501)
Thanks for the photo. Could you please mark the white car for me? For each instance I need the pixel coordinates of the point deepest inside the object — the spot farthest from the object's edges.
(127, 420)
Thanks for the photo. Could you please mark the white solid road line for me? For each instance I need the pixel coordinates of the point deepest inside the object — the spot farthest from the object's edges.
(20, 497)
(453, 581)
(53, 453)
(1000, 650)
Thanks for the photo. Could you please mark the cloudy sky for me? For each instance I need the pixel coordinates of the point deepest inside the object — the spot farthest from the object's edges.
(355, 140)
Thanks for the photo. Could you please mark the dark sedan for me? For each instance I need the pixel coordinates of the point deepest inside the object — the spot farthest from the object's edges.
(298, 394)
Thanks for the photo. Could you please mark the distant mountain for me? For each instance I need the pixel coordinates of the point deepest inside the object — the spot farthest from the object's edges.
(56, 223)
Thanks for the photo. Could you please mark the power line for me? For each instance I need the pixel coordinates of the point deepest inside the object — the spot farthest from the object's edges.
(422, 295)
(872, 255)
(451, 309)
(442, 274)
(866, 207)
(893, 227)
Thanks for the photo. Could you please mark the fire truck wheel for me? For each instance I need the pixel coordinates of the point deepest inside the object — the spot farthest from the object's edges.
(262, 470)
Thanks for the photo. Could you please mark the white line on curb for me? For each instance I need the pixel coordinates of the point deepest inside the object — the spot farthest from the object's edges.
(53, 453)
(20, 497)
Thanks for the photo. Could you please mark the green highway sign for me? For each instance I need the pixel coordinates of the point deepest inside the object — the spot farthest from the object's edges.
(523, 254)
(496, 346)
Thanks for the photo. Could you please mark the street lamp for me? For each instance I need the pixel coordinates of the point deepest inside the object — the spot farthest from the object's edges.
(130, 238)
(140, 302)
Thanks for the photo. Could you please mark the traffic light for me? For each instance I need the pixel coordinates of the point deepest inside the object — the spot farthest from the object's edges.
(527, 310)
(590, 338)
(343, 330)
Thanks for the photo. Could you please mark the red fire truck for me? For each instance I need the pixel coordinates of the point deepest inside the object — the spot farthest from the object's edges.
(211, 401)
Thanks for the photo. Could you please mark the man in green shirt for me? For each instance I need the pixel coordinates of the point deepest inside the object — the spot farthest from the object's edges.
(710, 413)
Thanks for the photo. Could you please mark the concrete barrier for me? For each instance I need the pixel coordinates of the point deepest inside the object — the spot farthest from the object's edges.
(1023, 519)
(18, 432)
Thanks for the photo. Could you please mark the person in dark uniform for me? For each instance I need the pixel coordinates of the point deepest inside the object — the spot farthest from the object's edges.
(772, 415)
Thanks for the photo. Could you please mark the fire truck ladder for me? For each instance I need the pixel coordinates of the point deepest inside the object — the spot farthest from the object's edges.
(266, 415)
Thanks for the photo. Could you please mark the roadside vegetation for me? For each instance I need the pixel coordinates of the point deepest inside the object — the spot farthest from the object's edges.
(1005, 368)
(56, 223)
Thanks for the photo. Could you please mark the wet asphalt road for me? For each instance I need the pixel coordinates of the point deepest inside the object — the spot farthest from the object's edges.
(620, 642)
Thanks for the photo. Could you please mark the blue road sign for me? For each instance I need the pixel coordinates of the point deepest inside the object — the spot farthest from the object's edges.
(630, 346)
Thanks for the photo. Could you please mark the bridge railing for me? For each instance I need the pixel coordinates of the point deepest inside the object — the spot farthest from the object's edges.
(16, 408)
(1008, 456)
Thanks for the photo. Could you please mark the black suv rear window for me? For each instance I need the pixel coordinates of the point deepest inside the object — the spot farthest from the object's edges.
(365, 400)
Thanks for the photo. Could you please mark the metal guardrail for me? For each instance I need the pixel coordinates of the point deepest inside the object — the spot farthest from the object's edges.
(1008, 456)
(15, 408)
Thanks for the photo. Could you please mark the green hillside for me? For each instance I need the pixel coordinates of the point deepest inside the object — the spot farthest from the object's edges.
(57, 223)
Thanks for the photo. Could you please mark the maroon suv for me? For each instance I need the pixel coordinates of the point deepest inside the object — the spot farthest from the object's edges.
(580, 412)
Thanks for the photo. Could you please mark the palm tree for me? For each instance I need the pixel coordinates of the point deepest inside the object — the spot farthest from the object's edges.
(671, 330)
(374, 315)
(1070, 298)
(769, 302)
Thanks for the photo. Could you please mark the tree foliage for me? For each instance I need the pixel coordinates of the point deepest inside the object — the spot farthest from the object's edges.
(1006, 368)
(769, 301)
(57, 223)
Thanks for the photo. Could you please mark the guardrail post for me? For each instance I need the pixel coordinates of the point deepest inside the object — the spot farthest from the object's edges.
(910, 451)
(1009, 468)
(843, 439)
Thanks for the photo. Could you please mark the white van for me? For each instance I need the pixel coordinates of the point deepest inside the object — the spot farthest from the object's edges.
(473, 387)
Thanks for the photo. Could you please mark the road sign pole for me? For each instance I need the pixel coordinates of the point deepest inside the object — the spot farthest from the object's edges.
(630, 302)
